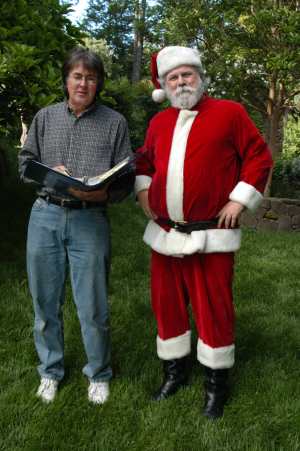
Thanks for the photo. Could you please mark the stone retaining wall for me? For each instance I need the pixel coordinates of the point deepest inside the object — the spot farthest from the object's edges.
(274, 214)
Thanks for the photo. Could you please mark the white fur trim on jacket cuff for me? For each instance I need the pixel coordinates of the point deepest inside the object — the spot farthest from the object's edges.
(142, 182)
(174, 348)
(246, 195)
(215, 358)
(178, 244)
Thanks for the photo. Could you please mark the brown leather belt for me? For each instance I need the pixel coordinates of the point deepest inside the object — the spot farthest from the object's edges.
(188, 227)
(70, 203)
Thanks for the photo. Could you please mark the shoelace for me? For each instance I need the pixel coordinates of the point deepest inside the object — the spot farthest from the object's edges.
(100, 390)
(97, 388)
(46, 384)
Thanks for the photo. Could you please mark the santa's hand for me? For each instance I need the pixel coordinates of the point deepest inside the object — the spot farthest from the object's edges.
(230, 214)
(143, 200)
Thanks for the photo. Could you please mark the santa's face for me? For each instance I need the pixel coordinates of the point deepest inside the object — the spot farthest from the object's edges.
(184, 87)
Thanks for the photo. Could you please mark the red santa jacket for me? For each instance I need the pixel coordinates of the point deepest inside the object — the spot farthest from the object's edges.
(194, 162)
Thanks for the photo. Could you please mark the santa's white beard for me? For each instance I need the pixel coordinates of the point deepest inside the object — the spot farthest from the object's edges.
(185, 97)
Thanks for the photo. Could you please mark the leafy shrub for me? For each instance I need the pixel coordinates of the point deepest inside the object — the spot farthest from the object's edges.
(291, 142)
(286, 173)
(288, 170)
(134, 102)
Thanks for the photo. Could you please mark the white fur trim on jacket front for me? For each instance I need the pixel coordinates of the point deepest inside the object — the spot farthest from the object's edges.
(246, 195)
(174, 348)
(142, 182)
(215, 358)
(174, 189)
(178, 244)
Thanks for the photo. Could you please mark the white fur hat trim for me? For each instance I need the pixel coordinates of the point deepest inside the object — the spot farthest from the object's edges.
(174, 56)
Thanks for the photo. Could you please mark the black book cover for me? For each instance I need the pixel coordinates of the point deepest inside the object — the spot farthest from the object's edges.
(118, 176)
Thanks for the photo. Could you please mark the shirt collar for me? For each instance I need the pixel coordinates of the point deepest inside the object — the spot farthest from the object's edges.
(91, 108)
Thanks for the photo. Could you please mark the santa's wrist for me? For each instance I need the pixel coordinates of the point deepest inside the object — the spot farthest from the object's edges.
(142, 183)
(246, 195)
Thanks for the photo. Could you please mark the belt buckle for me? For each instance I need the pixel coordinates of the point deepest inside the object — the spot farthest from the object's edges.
(179, 224)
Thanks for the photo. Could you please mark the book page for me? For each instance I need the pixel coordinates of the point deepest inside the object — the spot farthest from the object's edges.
(101, 178)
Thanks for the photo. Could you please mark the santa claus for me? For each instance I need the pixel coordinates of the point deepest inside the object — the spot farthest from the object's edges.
(203, 162)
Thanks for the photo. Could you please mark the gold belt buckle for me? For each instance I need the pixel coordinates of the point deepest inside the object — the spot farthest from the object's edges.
(178, 224)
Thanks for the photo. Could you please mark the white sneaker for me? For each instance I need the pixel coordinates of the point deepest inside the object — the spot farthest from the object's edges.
(47, 389)
(98, 392)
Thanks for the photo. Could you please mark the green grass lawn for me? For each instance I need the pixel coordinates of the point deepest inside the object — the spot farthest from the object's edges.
(264, 413)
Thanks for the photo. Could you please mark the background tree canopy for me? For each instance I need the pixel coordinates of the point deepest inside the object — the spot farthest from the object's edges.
(249, 49)
(35, 36)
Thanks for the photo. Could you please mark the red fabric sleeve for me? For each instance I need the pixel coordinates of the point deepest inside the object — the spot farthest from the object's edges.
(145, 156)
(255, 155)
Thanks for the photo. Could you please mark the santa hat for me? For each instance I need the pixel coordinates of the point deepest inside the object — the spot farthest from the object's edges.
(168, 59)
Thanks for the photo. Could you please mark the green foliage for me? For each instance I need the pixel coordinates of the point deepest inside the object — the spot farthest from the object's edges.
(291, 143)
(287, 168)
(134, 102)
(112, 21)
(286, 178)
(286, 173)
(250, 49)
(35, 37)
(100, 47)
(115, 22)
(242, 42)
(264, 409)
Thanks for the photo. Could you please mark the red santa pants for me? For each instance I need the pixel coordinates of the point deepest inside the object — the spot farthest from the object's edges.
(205, 281)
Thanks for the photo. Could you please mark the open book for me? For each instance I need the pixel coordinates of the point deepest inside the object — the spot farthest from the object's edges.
(61, 182)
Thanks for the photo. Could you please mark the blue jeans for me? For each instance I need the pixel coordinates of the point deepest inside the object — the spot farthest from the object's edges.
(61, 238)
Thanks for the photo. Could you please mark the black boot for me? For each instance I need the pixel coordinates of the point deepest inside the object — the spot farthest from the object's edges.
(176, 376)
(216, 392)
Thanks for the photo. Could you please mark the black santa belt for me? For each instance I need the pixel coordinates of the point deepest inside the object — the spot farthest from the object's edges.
(188, 227)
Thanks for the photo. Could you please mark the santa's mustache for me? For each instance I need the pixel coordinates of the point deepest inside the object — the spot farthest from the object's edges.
(184, 90)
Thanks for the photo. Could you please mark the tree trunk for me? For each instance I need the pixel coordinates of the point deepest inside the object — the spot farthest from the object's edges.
(274, 121)
(139, 31)
(275, 116)
(274, 133)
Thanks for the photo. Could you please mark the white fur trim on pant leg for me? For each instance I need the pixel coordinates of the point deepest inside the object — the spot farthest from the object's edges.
(142, 182)
(246, 195)
(174, 348)
(215, 358)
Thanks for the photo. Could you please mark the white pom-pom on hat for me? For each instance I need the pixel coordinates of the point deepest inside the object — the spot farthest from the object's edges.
(158, 95)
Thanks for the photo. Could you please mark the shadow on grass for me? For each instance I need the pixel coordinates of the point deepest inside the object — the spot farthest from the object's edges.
(15, 200)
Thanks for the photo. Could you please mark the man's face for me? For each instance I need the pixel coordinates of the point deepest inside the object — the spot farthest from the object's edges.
(183, 87)
(82, 87)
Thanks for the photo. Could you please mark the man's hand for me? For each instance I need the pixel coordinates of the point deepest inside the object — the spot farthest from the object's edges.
(142, 197)
(61, 168)
(100, 195)
(230, 214)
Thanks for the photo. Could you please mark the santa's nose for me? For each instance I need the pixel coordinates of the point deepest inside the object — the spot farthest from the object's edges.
(181, 81)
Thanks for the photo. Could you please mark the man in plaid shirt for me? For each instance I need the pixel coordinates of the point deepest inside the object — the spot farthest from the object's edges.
(81, 137)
